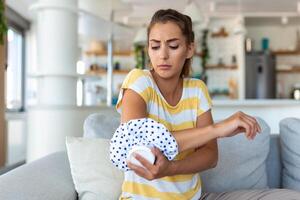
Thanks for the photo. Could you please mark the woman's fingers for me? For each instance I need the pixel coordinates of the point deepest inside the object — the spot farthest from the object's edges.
(144, 162)
(253, 119)
(139, 170)
(252, 128)
(256, 127)
(243, 123)
(252, 125)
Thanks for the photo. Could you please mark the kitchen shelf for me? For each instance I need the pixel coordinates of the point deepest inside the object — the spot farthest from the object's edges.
(293, 70)
(104, 53)
(230, 67)
(77, 76)
(286, 52)
(103, 72)
(222, 33)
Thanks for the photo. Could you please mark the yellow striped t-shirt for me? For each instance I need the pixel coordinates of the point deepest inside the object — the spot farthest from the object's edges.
(194, 101)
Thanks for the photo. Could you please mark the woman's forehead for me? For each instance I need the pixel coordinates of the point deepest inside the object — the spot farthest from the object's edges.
(165, 31)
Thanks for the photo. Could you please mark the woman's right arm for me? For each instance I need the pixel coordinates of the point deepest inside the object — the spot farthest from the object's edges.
(134, 107)
(235, 124)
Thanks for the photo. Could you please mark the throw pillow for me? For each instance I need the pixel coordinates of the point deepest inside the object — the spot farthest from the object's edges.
(93, 174)
(290, 152)
(241, 165)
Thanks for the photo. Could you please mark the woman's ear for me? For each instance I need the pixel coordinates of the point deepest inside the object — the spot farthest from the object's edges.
(190, 50)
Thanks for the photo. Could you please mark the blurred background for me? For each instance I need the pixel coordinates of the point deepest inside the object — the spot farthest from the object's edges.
(65, 59)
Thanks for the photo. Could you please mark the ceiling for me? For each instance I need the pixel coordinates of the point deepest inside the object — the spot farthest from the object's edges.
(129, 15)
(138, 12)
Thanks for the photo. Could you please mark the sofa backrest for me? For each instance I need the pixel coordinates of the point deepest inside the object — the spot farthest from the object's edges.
(102, 125)
(261, 170)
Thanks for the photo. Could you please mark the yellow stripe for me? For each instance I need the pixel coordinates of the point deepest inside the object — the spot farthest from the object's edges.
(178, 178)
(201, 85)
(151, 192)
(132, 76)
(188, 83)
(173, 127)
(143, 94)
(150, 93)
(192, 83)
(185, 104)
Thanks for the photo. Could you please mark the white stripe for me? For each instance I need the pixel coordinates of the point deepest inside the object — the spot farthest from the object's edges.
(140, 84)
(164, 186)
(174, 119)
(190, 92)
(143, 82)
(203, 103)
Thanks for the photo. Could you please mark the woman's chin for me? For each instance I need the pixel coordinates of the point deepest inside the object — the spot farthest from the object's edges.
(166, 74)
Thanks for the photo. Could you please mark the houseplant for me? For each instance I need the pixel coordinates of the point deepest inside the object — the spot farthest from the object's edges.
(140, 55)
(3, 26)
(204, 54)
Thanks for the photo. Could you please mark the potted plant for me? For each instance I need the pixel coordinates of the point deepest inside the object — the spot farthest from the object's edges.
(140, 55)
(3, 26)
(204, 54)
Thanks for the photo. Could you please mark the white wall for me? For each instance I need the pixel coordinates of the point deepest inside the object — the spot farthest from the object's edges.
(280, 36)
(272, 111)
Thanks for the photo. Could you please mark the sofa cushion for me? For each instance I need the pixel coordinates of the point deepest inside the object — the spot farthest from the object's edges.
(290, 152)
(93, 174)
(47, 178)
(241, 165)
(274, 163)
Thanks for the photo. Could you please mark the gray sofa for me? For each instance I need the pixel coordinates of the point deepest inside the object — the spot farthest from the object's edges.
(243, 164)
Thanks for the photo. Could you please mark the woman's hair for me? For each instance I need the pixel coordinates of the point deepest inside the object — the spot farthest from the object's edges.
(184, 22)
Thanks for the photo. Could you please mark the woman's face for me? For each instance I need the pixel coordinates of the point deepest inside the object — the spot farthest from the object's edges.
(168, 49)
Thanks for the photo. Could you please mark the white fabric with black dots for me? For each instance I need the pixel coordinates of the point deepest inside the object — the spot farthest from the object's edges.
(141, 132)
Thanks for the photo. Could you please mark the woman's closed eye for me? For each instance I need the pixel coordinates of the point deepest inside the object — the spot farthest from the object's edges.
(170, 46)
(173, 46)
(155, 47)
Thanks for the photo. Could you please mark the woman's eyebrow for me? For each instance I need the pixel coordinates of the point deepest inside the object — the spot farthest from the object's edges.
(170, 40)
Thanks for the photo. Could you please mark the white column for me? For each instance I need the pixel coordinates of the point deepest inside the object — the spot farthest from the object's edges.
(57, 49)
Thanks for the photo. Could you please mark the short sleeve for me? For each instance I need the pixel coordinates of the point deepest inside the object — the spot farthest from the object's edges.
(204, 101)
(138, 81)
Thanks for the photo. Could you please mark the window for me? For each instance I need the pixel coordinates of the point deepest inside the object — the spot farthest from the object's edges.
(15, 71)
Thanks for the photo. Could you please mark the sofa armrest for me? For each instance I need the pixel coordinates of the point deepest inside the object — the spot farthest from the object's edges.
(48, 178)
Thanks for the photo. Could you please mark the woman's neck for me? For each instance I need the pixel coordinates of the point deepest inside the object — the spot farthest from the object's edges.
(171, 88)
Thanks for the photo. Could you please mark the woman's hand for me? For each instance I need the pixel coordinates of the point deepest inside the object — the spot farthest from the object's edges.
(161, 168)
(237, 123)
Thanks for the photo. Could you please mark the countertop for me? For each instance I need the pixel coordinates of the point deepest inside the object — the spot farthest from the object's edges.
(257, 102)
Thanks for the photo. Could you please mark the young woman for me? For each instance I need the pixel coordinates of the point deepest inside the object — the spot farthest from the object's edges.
(167, 94)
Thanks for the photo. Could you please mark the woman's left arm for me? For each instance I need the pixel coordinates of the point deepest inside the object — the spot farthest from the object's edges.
(205, 157)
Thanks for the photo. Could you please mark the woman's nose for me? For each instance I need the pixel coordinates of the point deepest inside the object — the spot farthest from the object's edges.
(163, 53)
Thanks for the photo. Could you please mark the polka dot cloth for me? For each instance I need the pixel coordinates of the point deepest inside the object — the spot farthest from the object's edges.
(141, 132)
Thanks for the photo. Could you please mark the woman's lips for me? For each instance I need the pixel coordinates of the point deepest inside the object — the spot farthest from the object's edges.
(164, 66)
